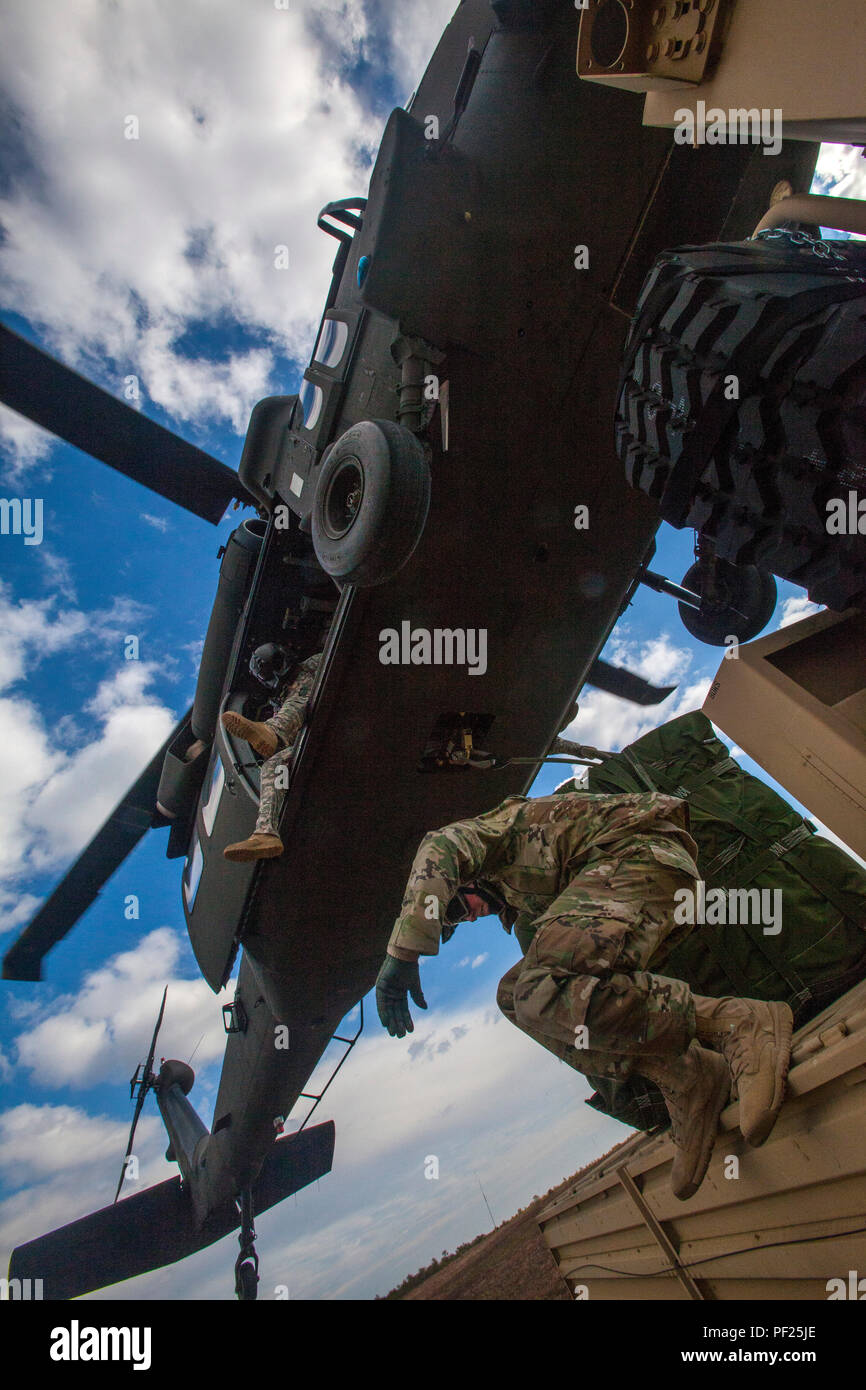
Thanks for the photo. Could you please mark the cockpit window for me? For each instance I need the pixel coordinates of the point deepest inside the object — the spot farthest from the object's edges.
(333, 337)
(311, 398)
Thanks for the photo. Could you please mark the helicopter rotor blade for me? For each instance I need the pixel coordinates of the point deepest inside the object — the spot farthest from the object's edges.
(616, 680)
(142, 1092)
(134, 814)
(39, 387)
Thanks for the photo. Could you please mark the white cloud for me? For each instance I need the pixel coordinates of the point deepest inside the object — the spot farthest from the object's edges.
(158, 523)
(841, 171)
(58, 573)
(66, 1163)
(479, 960)
(495, 1106)
(59, 785)
(103, 1032)
(416, 29)
(61, 798)
(247, 125)
(22, 445)
(793, 609)
(608, 722)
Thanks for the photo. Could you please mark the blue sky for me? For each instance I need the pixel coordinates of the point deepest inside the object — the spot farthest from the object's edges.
(154, 258)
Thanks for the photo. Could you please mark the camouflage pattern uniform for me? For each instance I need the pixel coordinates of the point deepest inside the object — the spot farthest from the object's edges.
(287, 724)
(589, 883)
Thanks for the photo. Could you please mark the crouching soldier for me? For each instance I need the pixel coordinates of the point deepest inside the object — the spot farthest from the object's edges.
(273, 739)
(587, 883)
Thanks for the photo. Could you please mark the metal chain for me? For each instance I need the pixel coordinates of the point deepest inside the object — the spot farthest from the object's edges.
(824, 250)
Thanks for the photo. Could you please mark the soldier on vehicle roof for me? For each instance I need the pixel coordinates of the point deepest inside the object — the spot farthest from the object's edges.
(587, 884)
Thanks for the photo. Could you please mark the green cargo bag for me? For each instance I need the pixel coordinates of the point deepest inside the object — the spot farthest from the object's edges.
(748, 837)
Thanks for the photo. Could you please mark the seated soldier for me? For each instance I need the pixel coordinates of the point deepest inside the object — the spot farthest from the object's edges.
(273, 739)
(588, 884)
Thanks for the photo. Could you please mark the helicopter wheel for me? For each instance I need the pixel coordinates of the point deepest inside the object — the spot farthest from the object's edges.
(371, 503)
(737, 601)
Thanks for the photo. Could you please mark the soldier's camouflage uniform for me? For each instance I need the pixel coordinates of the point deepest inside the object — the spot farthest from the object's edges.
(589, 883)
(287, 724)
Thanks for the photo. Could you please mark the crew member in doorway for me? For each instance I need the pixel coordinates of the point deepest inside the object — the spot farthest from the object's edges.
(273, 739)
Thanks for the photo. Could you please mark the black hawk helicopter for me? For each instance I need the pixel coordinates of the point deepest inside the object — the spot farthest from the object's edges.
(456, 412)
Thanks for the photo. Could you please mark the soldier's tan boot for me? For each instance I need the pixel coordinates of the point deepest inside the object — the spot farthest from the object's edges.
(755, 1039)
(696, 1087)
(258, 846)
(261, 737)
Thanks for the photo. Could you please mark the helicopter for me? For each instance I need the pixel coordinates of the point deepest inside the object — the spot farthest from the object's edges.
(454, 416)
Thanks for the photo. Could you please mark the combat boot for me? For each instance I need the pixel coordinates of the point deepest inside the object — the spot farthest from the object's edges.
(261, 737)
(755, 1039)
(696, 1087)
(258, 846)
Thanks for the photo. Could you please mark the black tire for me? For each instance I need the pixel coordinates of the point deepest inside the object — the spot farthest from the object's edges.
(371, 503)
(755, 475)
(746, 604)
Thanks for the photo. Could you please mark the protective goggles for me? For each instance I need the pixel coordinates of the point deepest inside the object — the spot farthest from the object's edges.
(459, 910)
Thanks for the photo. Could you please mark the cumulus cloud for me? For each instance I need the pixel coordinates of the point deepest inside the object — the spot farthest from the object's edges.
(793, 609)
(43, 1139)
(219, 134)
(609, 723)
(60, 785)
(22, 445)
(841, 171)
(495, 1105)
(415, 31)
(65, 1162)
(102, 1032)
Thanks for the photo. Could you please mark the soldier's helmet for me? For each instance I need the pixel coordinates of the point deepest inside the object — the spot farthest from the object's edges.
(269, 664)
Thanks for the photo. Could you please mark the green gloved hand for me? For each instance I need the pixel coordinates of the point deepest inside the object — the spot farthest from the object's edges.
(396, 980)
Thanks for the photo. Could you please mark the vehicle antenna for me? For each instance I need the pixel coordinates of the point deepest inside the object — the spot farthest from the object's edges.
(486, 1203)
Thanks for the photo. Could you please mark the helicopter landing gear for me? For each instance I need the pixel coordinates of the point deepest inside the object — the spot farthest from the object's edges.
(371, 503)
(247, 1262)
(736, 600)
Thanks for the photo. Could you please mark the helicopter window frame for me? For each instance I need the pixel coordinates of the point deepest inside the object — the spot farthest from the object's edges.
(329, 380)
(333, 322)
(318, 398)
(210, 807)
(193, 872)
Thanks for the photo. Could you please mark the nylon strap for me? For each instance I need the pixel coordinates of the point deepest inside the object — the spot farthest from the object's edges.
(800, 991)
(738, 982)
(725, 856)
